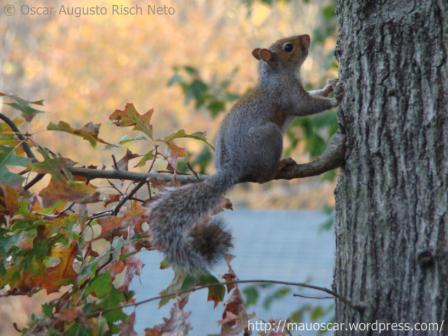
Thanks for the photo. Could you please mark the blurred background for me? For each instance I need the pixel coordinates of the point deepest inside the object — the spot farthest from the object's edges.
(189, 64)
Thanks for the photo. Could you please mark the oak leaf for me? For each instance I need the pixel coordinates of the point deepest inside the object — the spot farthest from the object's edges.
(130, 117)
(68, 191)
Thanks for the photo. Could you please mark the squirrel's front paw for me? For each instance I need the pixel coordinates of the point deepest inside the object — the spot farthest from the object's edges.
(339, 91)
(329, 86)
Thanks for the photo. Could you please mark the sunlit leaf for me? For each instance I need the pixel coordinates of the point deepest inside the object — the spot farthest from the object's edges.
(127, 139)
(24, 106)
(9, 200)
(63, 273)
(89, 131)
(53, 165)
(182, 134)
(68, 191)
(130, 117)
(146, 157)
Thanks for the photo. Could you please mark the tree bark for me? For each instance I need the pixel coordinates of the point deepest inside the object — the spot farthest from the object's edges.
(392, 198)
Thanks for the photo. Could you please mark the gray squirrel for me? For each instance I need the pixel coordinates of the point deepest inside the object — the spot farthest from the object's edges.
(248, 149)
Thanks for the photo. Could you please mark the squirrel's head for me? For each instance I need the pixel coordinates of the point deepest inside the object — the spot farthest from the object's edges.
(288, 53)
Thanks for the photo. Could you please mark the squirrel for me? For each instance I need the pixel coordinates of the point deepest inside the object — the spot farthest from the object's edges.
(248, 149)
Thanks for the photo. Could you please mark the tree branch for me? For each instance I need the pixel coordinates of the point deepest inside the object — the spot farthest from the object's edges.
(128, 175)
(333, 157)
(226, 283)
(20, 136)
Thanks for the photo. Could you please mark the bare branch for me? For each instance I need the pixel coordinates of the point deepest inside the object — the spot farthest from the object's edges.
(91, 174)
(226, 283)
(26, 147)
(332, 158)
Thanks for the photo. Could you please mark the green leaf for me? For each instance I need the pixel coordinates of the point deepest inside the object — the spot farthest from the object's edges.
(182, 134)
(251, 294)
(126, 139)
(317, 313)
(78, 329)
(8, 157)
(146, 157)
(215, 107)
(115, 315)
(164, 264)
(51, 165)
(216, 291)
(23, 106)
(114, 299)
(175, 79)
(329, 12)
(189, 282)
(101, 285)
(191, 70)
(47, 309)
(51, 261)
(278, 294)
(298, 315)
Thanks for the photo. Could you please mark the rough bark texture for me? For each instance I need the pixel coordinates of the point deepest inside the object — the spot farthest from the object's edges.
(392, 198)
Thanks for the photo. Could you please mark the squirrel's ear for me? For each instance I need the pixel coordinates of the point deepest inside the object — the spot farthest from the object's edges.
(256, 53)
(263, 54)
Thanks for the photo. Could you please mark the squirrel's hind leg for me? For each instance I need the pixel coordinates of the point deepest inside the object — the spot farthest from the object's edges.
(263, 150)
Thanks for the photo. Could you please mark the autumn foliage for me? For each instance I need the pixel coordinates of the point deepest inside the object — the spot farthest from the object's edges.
(82, 241)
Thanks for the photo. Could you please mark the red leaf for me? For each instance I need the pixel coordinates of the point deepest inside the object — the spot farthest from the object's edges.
(69, 314)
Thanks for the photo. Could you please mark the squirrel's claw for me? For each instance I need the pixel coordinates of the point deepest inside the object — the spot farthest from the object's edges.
(329, 86)
(339, 91)
(285, 164)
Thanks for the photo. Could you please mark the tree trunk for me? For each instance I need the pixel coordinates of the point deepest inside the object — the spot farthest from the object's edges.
(392, 198)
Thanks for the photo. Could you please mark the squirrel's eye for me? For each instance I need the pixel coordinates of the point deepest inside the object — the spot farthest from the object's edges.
(288, 47)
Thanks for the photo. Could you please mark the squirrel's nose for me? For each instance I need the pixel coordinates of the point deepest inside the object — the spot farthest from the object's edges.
(307, 39)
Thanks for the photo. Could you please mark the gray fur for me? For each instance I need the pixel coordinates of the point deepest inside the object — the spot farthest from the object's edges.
(175, 215)
(248, 149)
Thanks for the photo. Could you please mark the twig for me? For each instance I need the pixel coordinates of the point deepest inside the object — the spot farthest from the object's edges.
(192, 170)
(313, 297)
(226, 283)
(136, 188)
(35, 179)
(115, 187)
(26, 147)
(92, 174)
(66, 209)
(115, 162)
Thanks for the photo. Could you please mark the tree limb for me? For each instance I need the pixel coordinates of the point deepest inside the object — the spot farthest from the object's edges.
(91, 174)
(333, 157)
(226, 283)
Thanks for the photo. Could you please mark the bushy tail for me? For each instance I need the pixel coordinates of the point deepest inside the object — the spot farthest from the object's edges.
(181, 225)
